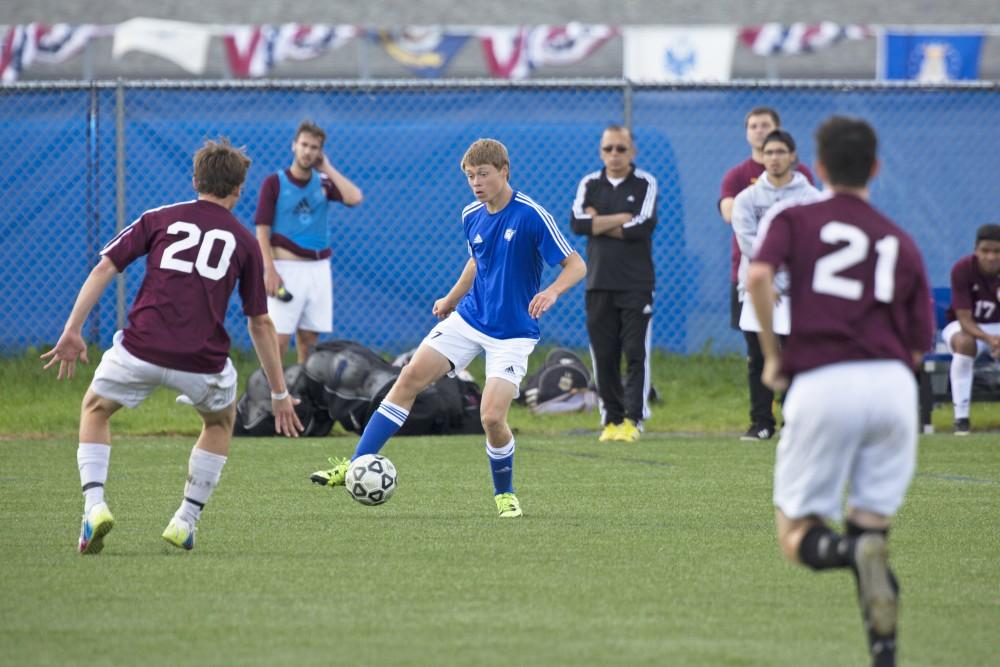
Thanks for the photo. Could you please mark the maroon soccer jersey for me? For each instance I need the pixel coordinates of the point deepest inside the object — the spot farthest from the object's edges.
(195, 253)
(736, 180)
(973, 290)
(858, 285)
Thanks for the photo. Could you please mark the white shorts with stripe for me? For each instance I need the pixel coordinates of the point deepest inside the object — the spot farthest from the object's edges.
(311, 286)
(848, 425)
(992, 328)
(124, 378)
(460, 343)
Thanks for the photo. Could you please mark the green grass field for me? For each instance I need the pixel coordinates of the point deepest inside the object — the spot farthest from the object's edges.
(656, 553)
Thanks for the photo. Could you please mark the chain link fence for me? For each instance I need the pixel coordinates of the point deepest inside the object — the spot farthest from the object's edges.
(80, 161)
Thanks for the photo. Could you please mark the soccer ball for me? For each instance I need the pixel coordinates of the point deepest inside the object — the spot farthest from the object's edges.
(371, 479)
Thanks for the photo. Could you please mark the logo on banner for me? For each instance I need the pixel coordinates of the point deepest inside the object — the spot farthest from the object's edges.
(681, 59)
(934, 62)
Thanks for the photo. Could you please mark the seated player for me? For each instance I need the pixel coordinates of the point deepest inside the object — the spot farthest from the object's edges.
(493, 308)
(975, 307)
(861, 322)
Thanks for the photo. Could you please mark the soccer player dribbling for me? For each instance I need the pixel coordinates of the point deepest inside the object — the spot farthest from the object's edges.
(196, 253)
(861, 320)
(493, 308)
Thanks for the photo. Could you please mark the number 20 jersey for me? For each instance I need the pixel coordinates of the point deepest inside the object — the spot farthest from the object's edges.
(858, 286)
(196, 252)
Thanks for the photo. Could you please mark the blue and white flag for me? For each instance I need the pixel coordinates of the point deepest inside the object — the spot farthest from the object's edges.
(689, 53)
(929, 56)
(424, 50)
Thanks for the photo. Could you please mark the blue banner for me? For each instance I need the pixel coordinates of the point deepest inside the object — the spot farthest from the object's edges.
(929, 57)
(426, 51)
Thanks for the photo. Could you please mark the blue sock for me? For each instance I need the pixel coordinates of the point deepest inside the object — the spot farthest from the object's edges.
(383, 425)
(502, 467)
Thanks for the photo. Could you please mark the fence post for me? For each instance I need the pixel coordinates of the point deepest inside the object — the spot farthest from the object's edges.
(93, 193)
(120, 194)
(627, 104)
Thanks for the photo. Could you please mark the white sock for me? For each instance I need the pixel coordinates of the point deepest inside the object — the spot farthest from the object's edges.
(961, 384)
(204, 470)
(92, 459)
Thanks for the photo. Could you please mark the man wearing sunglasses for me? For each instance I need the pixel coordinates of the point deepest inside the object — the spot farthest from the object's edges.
(615, 208)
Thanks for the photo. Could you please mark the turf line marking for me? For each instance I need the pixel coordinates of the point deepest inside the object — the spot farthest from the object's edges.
(597, 457)
(957, 478)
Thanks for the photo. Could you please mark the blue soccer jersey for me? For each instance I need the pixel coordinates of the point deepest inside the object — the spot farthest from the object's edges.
(509, 247)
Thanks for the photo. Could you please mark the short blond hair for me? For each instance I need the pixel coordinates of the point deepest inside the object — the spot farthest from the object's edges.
(486, 151)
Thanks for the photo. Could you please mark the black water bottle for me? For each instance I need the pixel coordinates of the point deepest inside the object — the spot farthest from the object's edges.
(283, 294)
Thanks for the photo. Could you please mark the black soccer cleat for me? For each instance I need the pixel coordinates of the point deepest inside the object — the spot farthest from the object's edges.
(962, 426)
(757, 432)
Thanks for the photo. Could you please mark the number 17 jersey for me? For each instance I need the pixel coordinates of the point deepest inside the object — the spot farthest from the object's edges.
(196, 252)
(858, 287)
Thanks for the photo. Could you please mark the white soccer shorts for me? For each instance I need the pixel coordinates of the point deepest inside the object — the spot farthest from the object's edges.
(311, 286)
(850, 424)
(954, 327)
(126, 379)
(460, 343)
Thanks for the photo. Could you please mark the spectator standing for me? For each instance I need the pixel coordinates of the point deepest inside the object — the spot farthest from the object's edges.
(759, 123)
(294, 236)
(615, 208)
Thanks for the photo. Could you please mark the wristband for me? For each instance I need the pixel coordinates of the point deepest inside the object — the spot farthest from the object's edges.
(279, 396)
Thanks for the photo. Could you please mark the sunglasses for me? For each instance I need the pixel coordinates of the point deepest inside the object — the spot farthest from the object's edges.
(618, 148)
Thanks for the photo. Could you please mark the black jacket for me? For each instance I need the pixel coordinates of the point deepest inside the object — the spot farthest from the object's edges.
(618, 264)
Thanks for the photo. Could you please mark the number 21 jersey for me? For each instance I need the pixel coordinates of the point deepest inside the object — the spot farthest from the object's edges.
(858, 287)
(195, 254)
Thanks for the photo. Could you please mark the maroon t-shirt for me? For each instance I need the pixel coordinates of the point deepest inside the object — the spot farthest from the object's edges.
(973, 290)
(736, 180)
(858, 285)
(195, 253)
(267, 200)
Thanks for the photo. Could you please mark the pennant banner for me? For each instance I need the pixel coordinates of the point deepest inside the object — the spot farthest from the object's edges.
(929, 57)
(253, 51)
(512, 53)
(424, 50)
(36, 42)
(697, 53)
(184, 44)
(786, 40)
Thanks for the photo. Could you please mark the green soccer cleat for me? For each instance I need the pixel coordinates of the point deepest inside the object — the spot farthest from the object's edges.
(97, 523)
(180, 534)
(334, 476)
(508, 505)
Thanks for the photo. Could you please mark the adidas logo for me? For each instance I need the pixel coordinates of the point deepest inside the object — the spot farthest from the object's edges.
(509, 370)
(302, 207)
(648, 309)
(478, 239)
